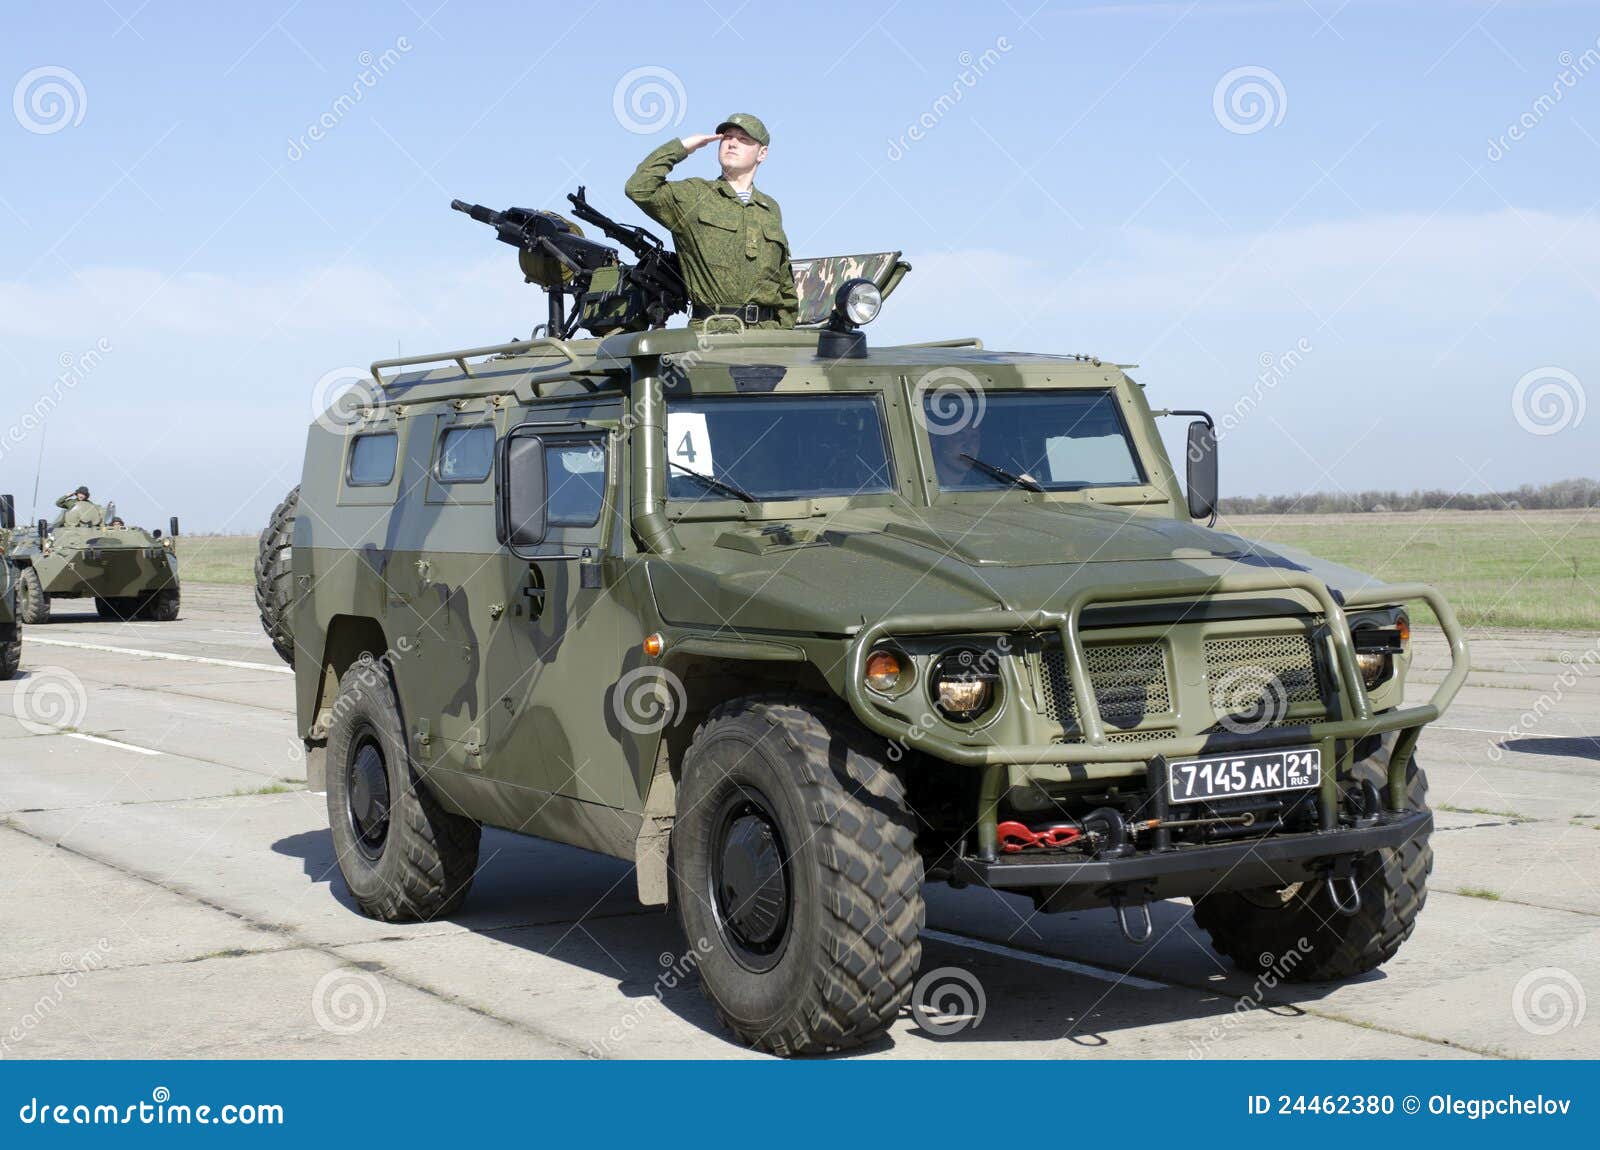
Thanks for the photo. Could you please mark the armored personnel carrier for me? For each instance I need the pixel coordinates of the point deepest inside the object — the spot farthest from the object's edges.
(796, 624)
(10, 628)
(129, 572)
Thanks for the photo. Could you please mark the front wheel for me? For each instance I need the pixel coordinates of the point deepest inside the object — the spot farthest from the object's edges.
(796, 876)
(1297, 931)
(10, 650)
(161, 607)
(33, 605)
(403, 856)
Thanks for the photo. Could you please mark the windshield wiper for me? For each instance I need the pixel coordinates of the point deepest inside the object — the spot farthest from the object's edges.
(1025, 481)
(712, 481)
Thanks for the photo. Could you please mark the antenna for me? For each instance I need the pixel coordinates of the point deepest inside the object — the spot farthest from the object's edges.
(39, 468)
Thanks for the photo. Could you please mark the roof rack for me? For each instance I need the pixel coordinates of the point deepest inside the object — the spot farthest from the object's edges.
(460, 357)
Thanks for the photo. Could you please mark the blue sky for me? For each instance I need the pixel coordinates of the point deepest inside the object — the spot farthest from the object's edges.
(1084, 181)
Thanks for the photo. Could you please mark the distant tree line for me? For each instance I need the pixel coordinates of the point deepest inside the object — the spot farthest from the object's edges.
(1561, 496)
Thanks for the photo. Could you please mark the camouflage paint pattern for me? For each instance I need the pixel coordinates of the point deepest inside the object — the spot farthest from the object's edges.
(817, 279)
(104, 563)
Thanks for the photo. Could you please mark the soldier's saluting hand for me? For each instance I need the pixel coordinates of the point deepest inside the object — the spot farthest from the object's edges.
(729, 236)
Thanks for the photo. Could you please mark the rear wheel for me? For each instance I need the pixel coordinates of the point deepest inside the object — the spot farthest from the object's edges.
(796, 877)
(33, 606)
(275, 579)
(1297, 931)
(403, 856)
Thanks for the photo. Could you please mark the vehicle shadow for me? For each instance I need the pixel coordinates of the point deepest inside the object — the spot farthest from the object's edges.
(1040, 979)
(1560, 746)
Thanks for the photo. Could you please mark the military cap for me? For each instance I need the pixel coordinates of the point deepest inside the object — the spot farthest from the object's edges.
(83, 491)
(749, 124)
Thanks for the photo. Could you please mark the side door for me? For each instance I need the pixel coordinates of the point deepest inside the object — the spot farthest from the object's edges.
(555, 656)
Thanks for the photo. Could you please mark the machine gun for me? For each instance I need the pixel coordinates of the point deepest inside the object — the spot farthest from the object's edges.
(607, 295)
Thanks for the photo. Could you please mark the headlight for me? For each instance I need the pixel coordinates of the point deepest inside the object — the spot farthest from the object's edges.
(886, 671)
(1374, 667)
(962, 684)
(859, 301)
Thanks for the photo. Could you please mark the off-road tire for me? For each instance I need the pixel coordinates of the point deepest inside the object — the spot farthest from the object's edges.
(160, 607)
(274, 579)
(1394, 888)
(430, 855)
(33, 605)
(10, 650)
(855, 878)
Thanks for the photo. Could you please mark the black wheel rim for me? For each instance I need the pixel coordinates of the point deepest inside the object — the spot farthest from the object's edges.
(367, 794)
(751, 892)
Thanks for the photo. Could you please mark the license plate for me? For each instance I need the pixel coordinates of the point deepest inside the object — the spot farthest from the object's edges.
(1229, 776)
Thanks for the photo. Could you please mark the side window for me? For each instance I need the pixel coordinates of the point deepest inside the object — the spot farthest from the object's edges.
(466, 455)
(372, 460)
(575, 481)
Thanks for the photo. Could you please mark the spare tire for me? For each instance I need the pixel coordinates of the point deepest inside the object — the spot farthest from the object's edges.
(274, 579)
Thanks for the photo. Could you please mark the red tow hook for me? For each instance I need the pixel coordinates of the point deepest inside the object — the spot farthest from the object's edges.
(1014, 837)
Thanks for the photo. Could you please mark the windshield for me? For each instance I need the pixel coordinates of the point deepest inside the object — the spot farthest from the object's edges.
(1058, 440)
(776, 447)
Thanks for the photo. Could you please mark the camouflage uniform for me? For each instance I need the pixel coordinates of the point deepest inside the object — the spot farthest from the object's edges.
(731, 253)
(80, 512)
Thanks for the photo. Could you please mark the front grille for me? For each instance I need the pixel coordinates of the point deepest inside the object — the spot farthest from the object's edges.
(1130, 681)
(1262, 675)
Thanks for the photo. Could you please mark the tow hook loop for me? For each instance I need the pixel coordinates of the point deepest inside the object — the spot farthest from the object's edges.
(1348, 904)
(1142, 936)
(1014, 837)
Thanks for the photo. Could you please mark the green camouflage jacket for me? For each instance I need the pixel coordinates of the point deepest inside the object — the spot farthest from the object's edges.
(731, 253)
(80, 512)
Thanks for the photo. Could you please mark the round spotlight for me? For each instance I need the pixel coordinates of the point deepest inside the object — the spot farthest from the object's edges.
(962, 684)
(858, 301)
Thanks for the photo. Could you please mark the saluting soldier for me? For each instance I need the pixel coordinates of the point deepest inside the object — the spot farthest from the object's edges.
(79, 512)
(729, 236)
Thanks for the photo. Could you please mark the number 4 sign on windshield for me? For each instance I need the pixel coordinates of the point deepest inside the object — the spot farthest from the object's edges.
(688, 443)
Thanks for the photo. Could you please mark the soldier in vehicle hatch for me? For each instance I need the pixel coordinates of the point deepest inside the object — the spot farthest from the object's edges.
(729, 236)
(78, 511)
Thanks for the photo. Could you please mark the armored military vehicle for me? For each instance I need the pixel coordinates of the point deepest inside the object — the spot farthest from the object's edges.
(10, 628)
(796, 624)
(129, 572)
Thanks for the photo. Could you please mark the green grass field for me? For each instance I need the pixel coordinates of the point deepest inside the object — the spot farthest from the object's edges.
(1537, 569)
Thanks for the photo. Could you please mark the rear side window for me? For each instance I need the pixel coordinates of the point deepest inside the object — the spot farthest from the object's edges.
(575, 483)
(372, 460)
(466, 455)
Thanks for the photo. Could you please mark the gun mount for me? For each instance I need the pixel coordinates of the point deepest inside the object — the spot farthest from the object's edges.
(606, 294)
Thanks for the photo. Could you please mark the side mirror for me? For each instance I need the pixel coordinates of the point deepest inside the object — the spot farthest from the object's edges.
(8, 513)
(1201, 480)
(172, 525)
(44, 528)
(521, 517)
